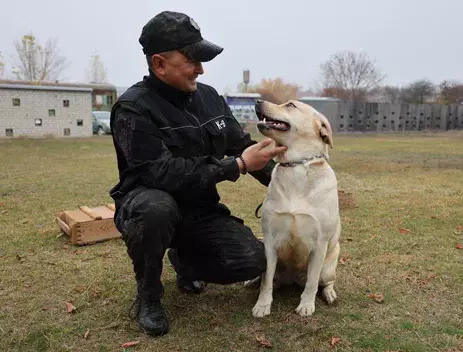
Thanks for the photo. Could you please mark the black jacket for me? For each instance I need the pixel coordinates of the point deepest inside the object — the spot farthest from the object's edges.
(176, 142)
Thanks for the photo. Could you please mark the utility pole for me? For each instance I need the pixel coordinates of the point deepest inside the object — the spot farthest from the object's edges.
(246, 80)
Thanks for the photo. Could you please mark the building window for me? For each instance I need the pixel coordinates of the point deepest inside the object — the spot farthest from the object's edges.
(16, 102)
(109, 100)
(9, 132)
(51, 112)
(80, 122)
(67, 131)
(66, 103)
(99, 99)
(38, 122)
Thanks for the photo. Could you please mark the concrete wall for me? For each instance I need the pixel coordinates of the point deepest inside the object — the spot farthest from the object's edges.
(385, 117)
(35, 104)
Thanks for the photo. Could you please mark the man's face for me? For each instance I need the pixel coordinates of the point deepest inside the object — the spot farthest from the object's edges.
(177, 70)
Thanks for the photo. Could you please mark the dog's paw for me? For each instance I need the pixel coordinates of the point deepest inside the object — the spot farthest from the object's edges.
(306, 309)
(260, 311)
(329, 294)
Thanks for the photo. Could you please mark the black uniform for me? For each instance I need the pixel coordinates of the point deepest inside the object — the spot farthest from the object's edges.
(170, 149)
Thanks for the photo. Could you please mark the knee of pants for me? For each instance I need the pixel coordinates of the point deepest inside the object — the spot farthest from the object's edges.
(156, 210)
(250, 265)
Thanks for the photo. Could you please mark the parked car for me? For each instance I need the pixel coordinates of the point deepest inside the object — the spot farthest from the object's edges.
(100, 122)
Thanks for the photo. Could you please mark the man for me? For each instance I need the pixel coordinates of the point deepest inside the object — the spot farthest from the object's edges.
(171, 136)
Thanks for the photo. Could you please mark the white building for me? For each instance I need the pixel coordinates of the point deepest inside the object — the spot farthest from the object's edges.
(242, 105)
(41, 111)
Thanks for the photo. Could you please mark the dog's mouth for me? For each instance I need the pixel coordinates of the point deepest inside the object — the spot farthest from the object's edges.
(270, 123)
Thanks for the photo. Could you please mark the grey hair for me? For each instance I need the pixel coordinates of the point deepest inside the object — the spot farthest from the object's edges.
(149, 58)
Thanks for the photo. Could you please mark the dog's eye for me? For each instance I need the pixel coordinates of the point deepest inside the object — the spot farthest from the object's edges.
(290, 105)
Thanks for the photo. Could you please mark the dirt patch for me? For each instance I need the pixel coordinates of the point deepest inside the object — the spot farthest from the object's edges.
(346, 199)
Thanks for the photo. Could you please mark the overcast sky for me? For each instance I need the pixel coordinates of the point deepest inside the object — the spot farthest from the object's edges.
(409, 39)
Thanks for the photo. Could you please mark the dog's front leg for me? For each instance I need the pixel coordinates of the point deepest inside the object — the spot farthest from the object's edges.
(316, 259)
(262, 307)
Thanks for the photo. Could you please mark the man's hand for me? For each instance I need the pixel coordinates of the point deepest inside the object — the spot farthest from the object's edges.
(256, 157)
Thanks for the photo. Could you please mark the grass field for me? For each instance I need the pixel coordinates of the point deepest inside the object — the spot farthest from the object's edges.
(400, 236)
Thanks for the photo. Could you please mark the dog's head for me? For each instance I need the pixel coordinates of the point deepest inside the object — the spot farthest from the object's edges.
(296, 125)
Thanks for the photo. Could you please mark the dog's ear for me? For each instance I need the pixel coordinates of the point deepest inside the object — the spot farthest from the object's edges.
(325, 131)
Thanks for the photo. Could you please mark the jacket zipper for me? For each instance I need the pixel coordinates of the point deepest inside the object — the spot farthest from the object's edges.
(200, 130)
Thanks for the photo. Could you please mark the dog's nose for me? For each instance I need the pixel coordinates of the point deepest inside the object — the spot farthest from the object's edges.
(259, 101)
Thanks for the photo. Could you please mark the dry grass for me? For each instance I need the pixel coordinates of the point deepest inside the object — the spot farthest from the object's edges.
(412, 182)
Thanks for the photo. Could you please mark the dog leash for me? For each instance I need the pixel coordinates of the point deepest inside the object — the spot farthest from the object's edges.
(291, 164)
(257, 210)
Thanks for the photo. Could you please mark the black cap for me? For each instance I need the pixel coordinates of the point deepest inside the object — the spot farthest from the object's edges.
(176, 31)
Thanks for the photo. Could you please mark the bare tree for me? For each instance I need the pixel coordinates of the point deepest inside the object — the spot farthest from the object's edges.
(96, 72)
(392, 94)
(451, 92)
(2, 65)
(385, 94)
(38, 63)
(352, 73)
(419, 91)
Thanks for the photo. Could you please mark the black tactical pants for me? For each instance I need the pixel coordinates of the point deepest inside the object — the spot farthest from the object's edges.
(212, 245)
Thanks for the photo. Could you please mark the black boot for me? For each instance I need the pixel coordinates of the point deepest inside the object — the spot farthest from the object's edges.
(184, 284)
(150, 314)
(151, 317)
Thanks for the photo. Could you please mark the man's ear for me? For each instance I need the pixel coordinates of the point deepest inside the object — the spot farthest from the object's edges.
(158, 64)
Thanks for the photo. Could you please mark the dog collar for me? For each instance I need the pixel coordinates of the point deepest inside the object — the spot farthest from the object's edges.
(302, 161)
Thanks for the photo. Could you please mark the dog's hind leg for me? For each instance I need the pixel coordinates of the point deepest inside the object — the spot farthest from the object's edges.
(328, 274)
(264, 302)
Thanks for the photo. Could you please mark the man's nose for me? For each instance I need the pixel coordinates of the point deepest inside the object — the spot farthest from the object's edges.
(199, 68)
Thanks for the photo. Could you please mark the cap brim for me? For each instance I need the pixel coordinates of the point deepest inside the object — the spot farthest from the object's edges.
(202, 51)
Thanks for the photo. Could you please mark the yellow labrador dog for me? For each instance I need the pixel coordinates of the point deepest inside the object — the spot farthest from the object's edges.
(300, 215)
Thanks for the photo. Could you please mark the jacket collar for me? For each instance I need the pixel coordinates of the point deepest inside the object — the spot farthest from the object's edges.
(175, 96)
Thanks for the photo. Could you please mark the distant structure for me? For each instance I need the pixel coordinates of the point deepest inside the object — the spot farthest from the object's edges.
(45, 111)
(103, 95)
(322, 104)
(242, 105)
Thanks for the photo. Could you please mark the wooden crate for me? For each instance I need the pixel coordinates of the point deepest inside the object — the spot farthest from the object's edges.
(88, 225)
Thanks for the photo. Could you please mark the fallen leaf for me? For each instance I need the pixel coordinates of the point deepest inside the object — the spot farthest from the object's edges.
(2, 204)
(377, 297)
(459, 246)
(404, 231)
(459, 228)
(130, 344)
(434, 217)
(87, 334)
(4, 212)
(373, 236)
(344, 258)
(334, 341)
(70, 307)
(263, 342)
